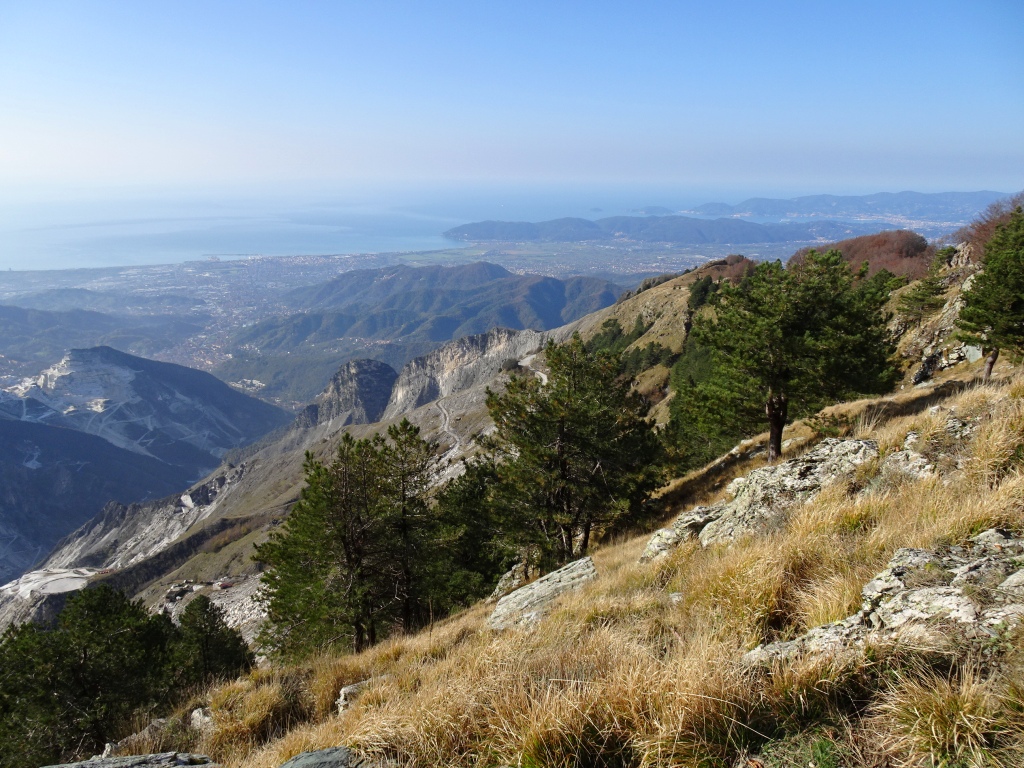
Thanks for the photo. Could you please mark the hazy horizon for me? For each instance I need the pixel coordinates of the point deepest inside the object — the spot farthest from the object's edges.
(161, 229)
(457, 111)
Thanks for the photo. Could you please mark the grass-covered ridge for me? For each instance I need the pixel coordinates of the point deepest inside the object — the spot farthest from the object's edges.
(623, 674)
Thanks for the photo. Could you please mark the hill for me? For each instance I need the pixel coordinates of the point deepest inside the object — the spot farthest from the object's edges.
(682, 659)
(681, 230)
(901, 252)
(396, 314)
(948, 206)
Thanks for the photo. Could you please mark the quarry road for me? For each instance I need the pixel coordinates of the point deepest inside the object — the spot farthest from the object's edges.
(526, 363)
(446, 427)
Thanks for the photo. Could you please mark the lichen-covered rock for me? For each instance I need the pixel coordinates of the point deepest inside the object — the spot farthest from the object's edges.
(685, 527)
(511, 580)
(528, 604)
(348, 694)
(335, 757)
(763, 498)
(162, 760)
(925, 598)
(201, 720)
(909, 464)
(768, 493)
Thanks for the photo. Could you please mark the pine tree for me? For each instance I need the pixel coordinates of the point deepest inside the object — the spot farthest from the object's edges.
(67, 691)
(993, 313)
(356, 552)
(576, 454)
(925, 296)
(323, 585)
(788, 340)
(206, 648)
(412, 525)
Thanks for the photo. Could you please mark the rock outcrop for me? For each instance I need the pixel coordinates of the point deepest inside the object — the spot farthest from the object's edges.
(238, 597)
(335, 757)
(528, 604)
(462, 364)
(926, 598)
(124, 534)
(357, 394)
(162, 760)
(762, 500)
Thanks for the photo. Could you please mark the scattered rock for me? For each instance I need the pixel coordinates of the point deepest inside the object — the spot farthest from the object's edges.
(907, 463)
(927, 598)
(528, 604)
(201, 719)
(335, 757)
(348, 694)
(162, 760)
(685, 527)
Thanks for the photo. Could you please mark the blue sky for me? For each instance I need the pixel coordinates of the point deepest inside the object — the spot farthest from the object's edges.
(764, 97)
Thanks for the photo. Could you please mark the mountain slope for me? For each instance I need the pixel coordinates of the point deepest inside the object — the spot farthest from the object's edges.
(181, 416)
(53, 480)
(396, 314)
(104, 426)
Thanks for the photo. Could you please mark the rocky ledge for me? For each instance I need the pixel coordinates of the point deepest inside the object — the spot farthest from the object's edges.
(763, 499)
(926, 598)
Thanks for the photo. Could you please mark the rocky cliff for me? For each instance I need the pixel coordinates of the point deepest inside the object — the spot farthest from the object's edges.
(357, 394)
(465, 363)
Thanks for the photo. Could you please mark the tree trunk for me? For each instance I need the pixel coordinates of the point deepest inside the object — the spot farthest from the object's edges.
(990, 363)
(777, 410)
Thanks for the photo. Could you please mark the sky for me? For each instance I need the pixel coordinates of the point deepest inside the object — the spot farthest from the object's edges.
(756, 97)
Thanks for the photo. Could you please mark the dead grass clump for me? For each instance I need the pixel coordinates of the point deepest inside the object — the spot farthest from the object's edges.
(948, 720)
(252, 710)
(998, 446)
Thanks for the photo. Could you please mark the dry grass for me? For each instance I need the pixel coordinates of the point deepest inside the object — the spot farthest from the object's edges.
(958, 719)
(620, 675)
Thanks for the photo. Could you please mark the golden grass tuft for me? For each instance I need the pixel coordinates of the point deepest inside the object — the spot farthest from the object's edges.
(957, 719)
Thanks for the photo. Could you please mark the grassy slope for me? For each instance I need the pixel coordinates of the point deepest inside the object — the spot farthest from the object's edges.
(620, 674)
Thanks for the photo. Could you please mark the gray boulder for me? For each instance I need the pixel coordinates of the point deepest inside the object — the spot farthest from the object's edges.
(685, 527)
(334, 757)
(528, 604)
(162, 760)
(765, 497)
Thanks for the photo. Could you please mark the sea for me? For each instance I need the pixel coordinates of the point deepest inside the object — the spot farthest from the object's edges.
(109, 228)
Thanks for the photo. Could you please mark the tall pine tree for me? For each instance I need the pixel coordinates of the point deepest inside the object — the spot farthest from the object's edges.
(785, 342)
(576, 454)
(993, 313)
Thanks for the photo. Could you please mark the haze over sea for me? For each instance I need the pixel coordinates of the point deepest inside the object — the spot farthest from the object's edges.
(147, 227)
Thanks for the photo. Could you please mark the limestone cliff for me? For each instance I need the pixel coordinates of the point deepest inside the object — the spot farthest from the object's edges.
(462, 364)
(357, 394)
